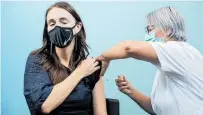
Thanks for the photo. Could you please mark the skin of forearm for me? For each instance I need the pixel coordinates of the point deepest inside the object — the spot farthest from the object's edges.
(61, 91)
(118, 51)
(143, 101)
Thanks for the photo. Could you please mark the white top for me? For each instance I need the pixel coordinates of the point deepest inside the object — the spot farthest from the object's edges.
(178, 84)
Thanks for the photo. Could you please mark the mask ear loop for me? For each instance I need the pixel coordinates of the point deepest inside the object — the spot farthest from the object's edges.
(75, 25)
(51, 48)
(76, 44)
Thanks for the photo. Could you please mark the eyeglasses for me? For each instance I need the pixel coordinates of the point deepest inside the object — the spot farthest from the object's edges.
(149, 28)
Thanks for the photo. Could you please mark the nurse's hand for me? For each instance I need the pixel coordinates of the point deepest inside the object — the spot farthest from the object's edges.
(124, 86)
(105, 64)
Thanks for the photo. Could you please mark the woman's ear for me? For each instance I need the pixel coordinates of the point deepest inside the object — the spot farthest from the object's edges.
(77, 28)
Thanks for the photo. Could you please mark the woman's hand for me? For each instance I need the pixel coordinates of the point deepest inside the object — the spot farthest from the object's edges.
(88, 66)
(105, 64)
(124, 86)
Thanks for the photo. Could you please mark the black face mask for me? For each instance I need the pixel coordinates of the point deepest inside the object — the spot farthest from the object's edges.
(61, 36)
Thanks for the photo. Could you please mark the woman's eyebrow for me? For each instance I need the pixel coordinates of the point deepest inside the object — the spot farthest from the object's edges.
(51, 20)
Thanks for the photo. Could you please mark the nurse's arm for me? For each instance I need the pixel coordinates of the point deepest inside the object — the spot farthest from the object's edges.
(143, 101)
(131, 49)
(127, 88)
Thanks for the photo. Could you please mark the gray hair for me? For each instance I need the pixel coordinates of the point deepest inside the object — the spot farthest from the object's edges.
(169, 20)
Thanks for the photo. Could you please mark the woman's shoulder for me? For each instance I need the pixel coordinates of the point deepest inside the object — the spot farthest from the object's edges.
(33, 60)
(33, 65)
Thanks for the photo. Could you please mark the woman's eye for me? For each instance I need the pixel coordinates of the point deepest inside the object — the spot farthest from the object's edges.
(64, 22)
(51, 24)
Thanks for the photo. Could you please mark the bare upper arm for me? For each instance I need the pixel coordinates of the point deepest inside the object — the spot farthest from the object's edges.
(141, 50)
(99, 101)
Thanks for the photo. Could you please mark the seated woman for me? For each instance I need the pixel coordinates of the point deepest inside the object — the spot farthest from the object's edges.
(59, 78)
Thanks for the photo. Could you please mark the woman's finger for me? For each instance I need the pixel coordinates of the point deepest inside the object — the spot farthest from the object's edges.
(96, 68)
(95, 63)
(93, 60)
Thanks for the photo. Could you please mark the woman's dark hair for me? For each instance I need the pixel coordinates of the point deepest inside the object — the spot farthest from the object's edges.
(50, 61)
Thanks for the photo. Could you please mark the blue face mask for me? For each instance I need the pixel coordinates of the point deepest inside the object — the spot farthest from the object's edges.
(152, 38)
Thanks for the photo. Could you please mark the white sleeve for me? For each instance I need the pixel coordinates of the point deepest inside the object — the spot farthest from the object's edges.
(170, 57)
